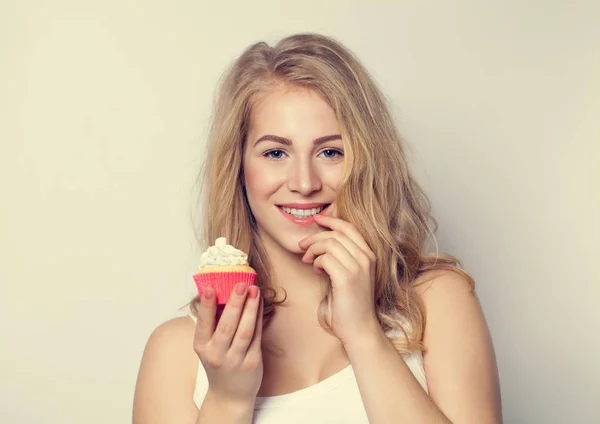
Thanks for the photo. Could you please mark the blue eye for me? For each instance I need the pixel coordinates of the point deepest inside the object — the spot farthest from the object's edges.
(280, 154)
(275, 154)
(331, 153)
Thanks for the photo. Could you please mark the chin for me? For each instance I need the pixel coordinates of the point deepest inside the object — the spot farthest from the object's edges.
(288, 244)
(297, 251)
(291, 246)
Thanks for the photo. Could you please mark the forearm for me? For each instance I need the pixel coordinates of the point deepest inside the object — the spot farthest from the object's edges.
(216, 410)
(390, 393)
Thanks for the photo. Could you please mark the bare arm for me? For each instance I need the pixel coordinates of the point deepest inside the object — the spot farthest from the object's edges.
(166, 381)
(230, 352)
(459, 364)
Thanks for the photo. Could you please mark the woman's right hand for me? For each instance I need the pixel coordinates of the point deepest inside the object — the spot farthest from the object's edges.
(231, 353)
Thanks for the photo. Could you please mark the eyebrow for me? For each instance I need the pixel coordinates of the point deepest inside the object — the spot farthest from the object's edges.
(288, 142)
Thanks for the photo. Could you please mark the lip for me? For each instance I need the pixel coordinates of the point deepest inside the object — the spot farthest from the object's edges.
(303, 205)
(302, 221)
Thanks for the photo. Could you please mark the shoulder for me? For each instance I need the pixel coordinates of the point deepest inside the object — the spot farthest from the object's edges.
(450, 305)
(167, 374)
(172, 339)
(436, 283)
(172, 333)
(451, 309)
(459, 357)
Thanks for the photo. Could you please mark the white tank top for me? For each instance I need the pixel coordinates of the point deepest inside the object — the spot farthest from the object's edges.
(333, 400)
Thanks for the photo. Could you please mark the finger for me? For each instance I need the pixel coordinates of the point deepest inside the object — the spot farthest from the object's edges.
(330, 265)
(306, 242)
(343, 227)
(246, 328)
(230, 318)
(348, 242)
(205, 324)
(255, 349)
(335, 248)
(324, 237)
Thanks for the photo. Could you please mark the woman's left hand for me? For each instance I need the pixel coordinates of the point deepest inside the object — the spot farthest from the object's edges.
(345, 256)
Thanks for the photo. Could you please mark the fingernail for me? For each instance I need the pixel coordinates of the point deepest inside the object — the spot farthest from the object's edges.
(240, 289)
(208, 293)
(253, 292)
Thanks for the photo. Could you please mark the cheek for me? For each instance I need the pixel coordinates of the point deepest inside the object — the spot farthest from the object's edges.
(251, 178)
(260, 183)
(333, 177)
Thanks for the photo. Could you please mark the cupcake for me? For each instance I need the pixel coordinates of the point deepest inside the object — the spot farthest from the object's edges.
(222, 266)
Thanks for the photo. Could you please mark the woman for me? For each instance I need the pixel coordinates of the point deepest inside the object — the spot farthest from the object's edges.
(351, 321)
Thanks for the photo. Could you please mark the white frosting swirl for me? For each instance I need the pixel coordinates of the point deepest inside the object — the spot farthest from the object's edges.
(222, 254)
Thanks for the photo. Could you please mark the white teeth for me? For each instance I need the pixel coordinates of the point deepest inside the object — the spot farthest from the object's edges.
(302, 213)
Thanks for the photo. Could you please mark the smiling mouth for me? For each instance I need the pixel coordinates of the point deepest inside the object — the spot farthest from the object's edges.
(303, 213)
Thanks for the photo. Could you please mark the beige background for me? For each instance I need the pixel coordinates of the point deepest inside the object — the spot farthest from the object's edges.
(103, 116)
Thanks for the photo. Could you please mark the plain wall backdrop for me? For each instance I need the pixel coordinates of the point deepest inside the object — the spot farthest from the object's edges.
(104, 109)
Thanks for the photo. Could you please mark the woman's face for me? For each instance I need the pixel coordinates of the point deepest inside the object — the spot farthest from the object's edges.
(293, 163)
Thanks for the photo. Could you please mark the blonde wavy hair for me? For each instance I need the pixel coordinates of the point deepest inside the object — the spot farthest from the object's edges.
(377, 194)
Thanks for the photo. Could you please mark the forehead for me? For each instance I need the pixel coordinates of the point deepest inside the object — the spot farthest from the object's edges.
(292, 112)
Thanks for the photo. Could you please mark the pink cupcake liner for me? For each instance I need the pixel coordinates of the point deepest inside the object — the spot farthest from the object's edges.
(222, 283)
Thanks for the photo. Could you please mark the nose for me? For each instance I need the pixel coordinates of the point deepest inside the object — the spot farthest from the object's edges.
(305, 178)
